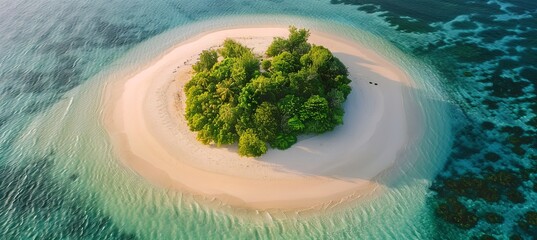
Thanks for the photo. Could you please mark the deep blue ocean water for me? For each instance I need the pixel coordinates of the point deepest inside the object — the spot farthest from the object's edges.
(485, 52)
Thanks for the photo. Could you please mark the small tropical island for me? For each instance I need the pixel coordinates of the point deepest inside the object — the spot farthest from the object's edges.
(235, 96)
(265, 86)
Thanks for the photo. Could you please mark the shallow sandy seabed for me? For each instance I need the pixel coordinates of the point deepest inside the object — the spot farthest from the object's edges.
(151, 136)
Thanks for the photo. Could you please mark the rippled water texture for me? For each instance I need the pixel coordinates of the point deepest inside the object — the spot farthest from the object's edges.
(475, 64)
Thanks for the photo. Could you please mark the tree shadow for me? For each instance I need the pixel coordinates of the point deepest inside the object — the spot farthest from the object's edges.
(391, 131)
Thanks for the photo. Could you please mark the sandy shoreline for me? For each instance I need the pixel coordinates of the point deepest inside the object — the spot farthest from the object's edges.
(151, 136)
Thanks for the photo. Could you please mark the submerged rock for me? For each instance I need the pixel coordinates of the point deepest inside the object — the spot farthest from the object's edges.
(456, 213)
(493, 218)
(529, 223)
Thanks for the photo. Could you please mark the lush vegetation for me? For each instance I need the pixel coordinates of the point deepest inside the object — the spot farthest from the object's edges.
(299, 88)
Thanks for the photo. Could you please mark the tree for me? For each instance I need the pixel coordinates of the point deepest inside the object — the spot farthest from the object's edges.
(312, 83)
(207, 60)
(250, 145)
(233, 49)
(320, 58)
(298, 41)
(277, 46)
(264, 89)
(225, 93)
(197, 122)
(336, 98)
(315, 115)
(300, 89)
(289, 105)
(295, 124)
(227, 114)
(222, 70)
(315, 108)
(285, 63)
(266, 121)
(284, 141)
(250, 64)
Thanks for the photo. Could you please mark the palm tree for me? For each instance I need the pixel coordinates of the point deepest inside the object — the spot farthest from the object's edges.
(225, 92)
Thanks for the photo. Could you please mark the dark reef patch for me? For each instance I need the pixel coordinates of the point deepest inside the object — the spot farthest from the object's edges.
(456, 213)
(493, 218)
(464, 25)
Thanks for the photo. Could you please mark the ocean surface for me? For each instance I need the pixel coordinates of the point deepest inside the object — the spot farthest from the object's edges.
(472, 174)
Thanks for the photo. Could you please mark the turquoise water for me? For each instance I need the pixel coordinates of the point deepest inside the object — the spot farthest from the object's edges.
(474, 64)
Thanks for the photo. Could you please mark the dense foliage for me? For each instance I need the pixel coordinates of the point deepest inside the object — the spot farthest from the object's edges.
(298, 89)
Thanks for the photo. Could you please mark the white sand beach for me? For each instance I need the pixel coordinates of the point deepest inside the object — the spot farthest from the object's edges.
(144, 118)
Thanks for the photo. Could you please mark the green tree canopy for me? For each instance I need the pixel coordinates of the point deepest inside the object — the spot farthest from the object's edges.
(250, 145)
(296, 43)
(297, 89)
(207, 60)
(233, 49)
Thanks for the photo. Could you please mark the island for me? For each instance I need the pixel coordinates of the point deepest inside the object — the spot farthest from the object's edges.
(298, 88)
(145, 118)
